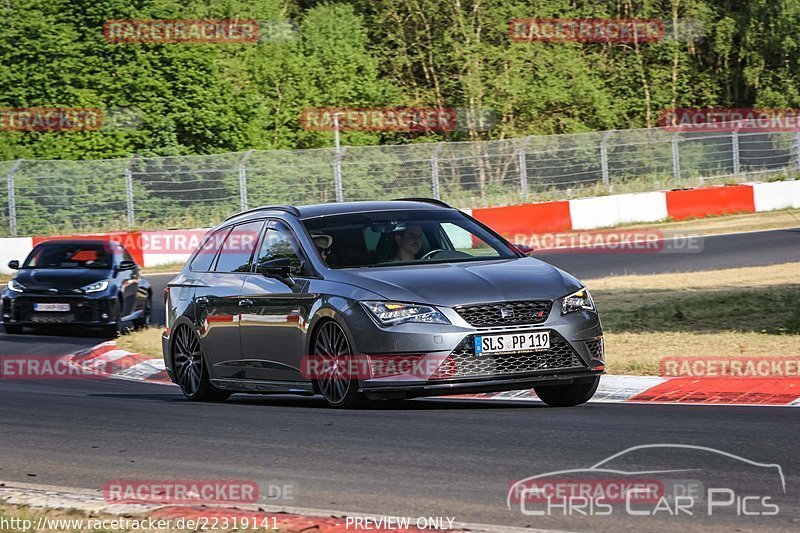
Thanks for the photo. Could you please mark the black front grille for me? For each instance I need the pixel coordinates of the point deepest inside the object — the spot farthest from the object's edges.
(53, 318)
(595, 348)
(81, 309)
(463, 362)
(505, 313)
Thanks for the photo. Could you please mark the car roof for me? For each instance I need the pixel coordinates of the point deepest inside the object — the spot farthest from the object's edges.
(339, 208)
(82, 242)
(316, 210)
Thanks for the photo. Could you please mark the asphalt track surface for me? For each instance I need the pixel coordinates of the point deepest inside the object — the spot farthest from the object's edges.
(417, 458)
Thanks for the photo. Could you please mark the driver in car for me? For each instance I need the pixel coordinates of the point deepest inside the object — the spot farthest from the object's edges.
(323, 243)
(408, 243)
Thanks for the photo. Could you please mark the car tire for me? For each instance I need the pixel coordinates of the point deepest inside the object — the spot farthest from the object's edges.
(331, 345)
(144, 321)
(567, 395)
(191, 371)
(13, 329)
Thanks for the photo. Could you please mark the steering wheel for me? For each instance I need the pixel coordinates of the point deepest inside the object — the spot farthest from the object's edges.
(431, 254)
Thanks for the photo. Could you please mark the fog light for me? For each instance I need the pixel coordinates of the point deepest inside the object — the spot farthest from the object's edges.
(104, 315)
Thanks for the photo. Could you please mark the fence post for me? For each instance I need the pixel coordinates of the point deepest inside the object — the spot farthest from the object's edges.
(337, 176)
(243, 180)
(523, 167)
(129, 192)
(604, 159)
(735, 148)
(12, 200)
(435, 170)
(337, 161)
(796, 138)
(676, 159)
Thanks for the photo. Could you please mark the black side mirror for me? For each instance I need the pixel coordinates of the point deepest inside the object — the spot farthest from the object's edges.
(13, 265)
(524, 248)
(277, 268)
(127, 265)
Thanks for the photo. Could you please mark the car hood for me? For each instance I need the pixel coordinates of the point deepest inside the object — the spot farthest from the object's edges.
(465, 283)
(60, 278)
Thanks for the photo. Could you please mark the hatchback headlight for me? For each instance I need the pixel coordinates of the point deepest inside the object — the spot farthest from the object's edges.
(577, 301)
(97, 286)
(393, 313)
(15, 286)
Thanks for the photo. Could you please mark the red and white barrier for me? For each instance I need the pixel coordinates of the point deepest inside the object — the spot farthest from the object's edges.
(776, 195)
(154, 248)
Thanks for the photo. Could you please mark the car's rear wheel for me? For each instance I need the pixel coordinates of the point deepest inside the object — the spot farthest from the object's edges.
(13, 329)
(567, 395)
(190, 369)
(334, 380)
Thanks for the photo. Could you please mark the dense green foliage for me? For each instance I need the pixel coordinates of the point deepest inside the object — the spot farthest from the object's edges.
(211, 98)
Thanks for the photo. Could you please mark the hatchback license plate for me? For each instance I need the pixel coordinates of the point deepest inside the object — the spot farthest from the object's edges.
(59, 308)
(512, 342)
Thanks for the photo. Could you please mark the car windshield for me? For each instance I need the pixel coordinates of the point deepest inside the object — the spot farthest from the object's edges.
(69, 255)
(408, 237)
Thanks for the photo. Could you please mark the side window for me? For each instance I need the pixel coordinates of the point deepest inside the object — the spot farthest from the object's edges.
(459, 237)
(279, 243)
(208, 250)
(237, 252)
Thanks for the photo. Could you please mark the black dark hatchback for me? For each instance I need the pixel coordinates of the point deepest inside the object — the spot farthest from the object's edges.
(78, 282)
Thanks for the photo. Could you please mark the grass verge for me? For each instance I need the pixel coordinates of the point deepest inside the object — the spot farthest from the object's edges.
(144, 341)
(723, 313)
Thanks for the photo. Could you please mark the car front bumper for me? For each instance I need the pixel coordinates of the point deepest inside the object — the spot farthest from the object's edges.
(477, 386)
(441, 359)
(83, 310)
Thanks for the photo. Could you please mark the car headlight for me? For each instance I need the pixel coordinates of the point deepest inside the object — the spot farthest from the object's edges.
(15, 286)
(393, 313)
(97, 286)
(577, 301)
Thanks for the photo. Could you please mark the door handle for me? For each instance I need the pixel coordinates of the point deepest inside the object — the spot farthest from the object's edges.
(245, 303)
(202, 301)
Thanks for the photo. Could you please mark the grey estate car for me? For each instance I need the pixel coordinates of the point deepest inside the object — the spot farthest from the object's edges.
(362, 301)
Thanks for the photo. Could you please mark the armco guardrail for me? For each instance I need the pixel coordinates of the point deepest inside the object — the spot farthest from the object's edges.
(53, 197)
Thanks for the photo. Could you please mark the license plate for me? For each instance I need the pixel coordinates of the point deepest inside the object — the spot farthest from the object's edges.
(60, 308)
(512, 342)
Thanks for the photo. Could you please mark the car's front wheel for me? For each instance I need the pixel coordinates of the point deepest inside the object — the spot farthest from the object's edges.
(190, 369)
(567, 395)
(334, 380)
